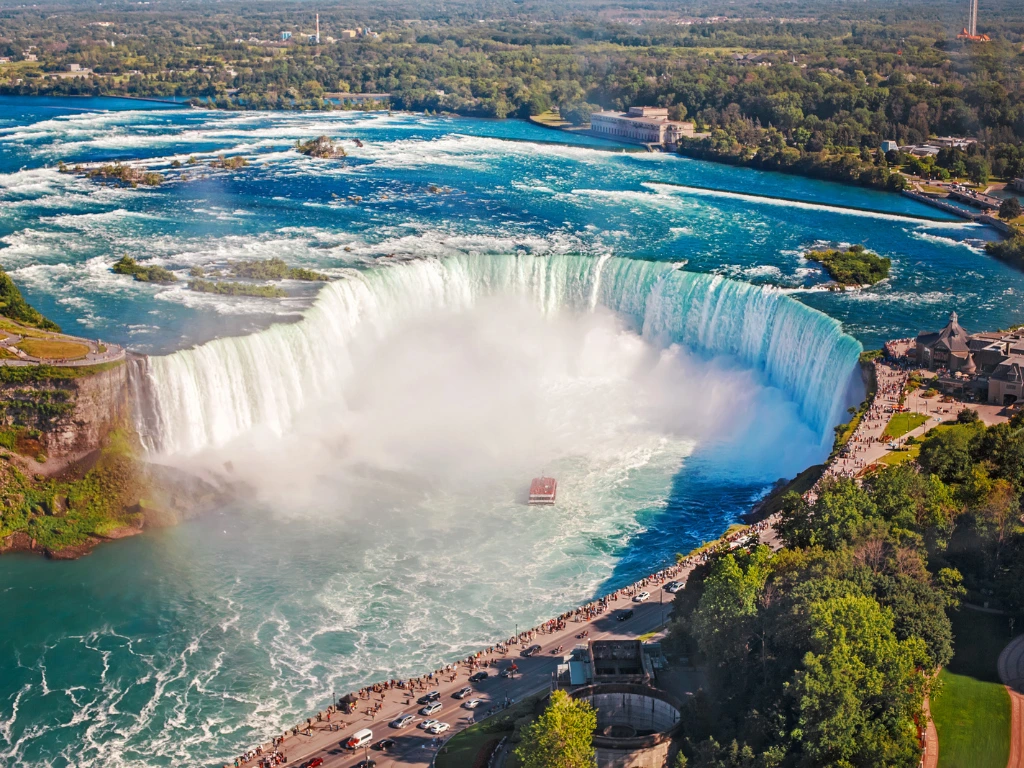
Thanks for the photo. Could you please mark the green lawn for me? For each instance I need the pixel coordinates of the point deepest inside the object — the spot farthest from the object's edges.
(972, 710)
(901, 423)
(895, 458)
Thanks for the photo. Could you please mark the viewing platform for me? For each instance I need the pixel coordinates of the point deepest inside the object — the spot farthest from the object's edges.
(26, 346)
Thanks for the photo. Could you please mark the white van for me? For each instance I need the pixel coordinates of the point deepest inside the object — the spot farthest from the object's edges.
(359, 738)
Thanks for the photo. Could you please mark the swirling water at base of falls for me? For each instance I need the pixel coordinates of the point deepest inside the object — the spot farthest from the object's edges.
(500, 306)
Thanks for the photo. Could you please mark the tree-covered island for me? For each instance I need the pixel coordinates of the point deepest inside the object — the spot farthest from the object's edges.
(856, 266)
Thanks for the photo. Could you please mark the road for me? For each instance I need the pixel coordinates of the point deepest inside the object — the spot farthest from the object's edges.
(1011, 672)
(415, 747)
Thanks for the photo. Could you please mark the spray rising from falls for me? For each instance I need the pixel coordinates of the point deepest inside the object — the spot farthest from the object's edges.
(207, 396)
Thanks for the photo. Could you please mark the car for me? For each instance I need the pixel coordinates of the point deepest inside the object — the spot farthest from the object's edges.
(438, 728)
(316, 762)
(476, 677)
(432, 696)
(507, 672)
(531, 651)
(463, 693)
(366, 764)
(673, 586)
(643, 597)
(401, 721)
(384, 745)
(431, 708)
(472, 704)
(426, 724)
(359, 738)
(623, 615)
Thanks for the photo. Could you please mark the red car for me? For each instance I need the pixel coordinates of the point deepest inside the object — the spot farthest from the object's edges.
(316, 762)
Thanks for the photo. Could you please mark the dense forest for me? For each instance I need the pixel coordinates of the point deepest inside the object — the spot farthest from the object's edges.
(822, 653)
(790, 85)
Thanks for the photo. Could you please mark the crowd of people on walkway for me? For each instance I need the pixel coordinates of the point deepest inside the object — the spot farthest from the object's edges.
(375, 694)
(891, 375)
(259, 758)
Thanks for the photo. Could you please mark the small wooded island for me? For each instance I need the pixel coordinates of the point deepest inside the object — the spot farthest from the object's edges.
(854, 267)
(321, 146)
(126, 265)
(256, 269)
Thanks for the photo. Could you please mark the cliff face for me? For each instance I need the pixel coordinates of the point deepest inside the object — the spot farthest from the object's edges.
(69, 418)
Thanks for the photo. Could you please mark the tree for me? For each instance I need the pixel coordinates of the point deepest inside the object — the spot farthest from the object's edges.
(578, 114)
(839, 513)
(1010, 208)
(722, 623)
(859, 691)
(948, 454)
(561, 737)
(677, 112)
(977, 170)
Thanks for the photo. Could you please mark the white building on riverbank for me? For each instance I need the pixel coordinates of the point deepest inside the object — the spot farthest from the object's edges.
(641, 125)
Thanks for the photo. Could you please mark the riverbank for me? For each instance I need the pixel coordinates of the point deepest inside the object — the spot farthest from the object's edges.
(381, 703)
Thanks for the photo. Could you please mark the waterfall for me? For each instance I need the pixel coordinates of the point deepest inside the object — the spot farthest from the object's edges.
(211, 394)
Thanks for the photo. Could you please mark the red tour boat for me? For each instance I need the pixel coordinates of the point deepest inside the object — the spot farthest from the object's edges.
(542, 490)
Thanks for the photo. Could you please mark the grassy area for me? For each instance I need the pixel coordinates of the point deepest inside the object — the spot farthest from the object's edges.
(707, 546)
(549, 119)
(972, 710)
(895, 458)
(901, 423)
(25, 374)
(54, 349)
(462, 749)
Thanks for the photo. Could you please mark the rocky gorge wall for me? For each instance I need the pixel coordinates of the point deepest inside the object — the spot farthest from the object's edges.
(69, 413)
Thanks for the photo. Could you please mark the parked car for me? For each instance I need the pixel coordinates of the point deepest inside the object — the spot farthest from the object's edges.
(643, 597)
(384, 745)
(401, 721)
(432, 696)
(673, 586)
(476, 677)
(623, 615)
(531, 651)
(425, 724)
(431, 708)
(439, 728)
(463, 693)
(472, 704)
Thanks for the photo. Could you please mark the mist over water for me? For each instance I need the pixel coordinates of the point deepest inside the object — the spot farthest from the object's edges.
(472, 402)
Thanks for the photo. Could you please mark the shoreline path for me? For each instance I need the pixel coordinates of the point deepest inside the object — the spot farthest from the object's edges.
(1011, 673)
(322, 735)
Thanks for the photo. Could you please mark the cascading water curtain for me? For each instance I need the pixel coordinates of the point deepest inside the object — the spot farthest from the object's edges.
(211, 394)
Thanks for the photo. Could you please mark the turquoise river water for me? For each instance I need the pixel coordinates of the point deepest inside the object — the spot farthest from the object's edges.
(642, 326)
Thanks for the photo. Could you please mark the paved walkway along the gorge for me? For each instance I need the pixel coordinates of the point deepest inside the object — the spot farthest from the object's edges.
(415, 747)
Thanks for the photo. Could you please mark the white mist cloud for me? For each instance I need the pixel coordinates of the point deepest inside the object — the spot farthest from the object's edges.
(467, 401)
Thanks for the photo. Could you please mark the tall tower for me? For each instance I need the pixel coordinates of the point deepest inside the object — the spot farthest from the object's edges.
(972, 18)
(318, 25)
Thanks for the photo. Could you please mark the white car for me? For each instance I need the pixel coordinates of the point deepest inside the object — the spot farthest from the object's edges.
(673, 586)
(472, 704)
(437, 728)
(425, 724)
(643, 597)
